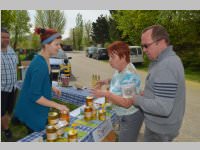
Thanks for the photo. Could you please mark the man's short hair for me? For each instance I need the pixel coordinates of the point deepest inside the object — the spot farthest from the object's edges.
(158, 33)
(4, 30)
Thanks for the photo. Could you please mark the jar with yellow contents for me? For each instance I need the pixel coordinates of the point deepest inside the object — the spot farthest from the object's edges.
(89, 101)
(87, 113)
(94, 113)
(73, 134)
(53, 118)
(51, 133)
(65, 116)
(102, 114)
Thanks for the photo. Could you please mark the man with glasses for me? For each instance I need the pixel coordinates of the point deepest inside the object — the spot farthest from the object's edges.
(9, 62)
(163, 101)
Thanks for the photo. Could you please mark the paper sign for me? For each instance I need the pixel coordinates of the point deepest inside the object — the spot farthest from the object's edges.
(102, 131)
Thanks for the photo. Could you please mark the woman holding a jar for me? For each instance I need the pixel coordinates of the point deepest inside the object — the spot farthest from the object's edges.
(35, 96)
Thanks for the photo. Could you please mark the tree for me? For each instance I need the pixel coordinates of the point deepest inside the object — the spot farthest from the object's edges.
(132, 22)
(87, 33)
(7, 18)
(100, 30)
(78, 31)
(114, 33)
(17, 22)
(54, 19)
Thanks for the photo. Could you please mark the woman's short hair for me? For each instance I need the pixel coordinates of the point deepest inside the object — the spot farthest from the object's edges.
(121, 49)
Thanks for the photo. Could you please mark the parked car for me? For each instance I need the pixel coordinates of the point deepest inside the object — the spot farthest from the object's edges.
(136, 54)
(60, 65)
(90, 51)
(67, 47)
(100, 53)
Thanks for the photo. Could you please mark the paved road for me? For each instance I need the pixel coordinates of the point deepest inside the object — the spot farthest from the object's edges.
(83, 68)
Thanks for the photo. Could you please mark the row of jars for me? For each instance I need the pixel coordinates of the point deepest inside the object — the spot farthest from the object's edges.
(91, 112)
(56, 127)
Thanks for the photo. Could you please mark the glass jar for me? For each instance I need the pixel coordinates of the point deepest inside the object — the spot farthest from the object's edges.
(53, 118)
(94, 113)
(65, 116)
(73, 135)
(60, 132)
(102, 114)
(51, 133)
(89, 101)
(88, 113)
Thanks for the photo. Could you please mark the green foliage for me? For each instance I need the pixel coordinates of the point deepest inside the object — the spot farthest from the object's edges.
(100, 30)
(54, 19)
(17, 21)
(78, 32)
(86, 34)
(7, 19)
(183, 27)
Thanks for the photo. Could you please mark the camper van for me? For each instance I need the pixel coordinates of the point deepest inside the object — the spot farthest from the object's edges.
(136, 54)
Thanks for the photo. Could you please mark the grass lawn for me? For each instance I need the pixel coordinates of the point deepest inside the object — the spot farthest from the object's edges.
(20, 131)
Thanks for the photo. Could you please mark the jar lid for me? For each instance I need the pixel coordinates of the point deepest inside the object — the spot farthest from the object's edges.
(89, 97)
(72, 132)
(52, 114)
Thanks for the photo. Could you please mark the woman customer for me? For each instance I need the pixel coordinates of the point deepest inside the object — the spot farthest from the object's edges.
(122, 86)
(35, 97)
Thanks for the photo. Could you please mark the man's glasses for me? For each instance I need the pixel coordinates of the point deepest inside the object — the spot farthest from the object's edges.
(149, 44)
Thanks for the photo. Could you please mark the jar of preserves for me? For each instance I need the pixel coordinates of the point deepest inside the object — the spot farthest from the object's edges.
(65, 116)
(94, 113)
(51, 133)
(53, 118)
(89, 101)
(73, 135)
(102, 114)
(60, 132)
(88, 113)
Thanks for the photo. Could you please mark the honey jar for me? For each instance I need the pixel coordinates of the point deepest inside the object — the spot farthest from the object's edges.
(65, 116)
(94, 113)
(72, 135)
(89, 101)
(102, 114)
(60, 132)
(53, 118)
(88, 113)
(51, 133)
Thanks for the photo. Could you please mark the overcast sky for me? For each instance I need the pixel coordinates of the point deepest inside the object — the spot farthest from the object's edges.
(70, 15)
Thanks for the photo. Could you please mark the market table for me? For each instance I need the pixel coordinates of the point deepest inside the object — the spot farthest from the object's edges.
(91, 131)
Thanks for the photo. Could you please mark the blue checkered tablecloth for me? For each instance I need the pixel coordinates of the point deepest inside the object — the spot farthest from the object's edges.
(69, 94)
(72, 95)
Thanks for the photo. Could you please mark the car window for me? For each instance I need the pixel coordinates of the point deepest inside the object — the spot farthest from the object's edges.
(133, 51)
(91, 49)
(139, 51)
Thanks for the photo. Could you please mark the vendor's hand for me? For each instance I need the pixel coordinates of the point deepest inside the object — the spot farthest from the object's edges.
(62, 108)
(98, 93)
(56, 91)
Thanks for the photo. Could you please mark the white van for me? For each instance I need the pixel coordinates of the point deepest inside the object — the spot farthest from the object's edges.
(136, 54)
